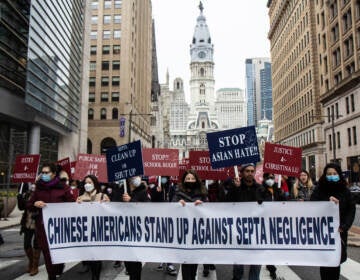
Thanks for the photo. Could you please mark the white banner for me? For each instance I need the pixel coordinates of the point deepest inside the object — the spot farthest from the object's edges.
(279, 233)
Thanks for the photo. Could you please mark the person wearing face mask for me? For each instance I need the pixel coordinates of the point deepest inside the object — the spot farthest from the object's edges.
(27, 228)
(92, 194)
(49, 189)
(190, 190)
(137, 193)
(332, 186)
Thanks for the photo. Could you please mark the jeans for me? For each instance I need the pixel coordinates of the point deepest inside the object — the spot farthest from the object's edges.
(254, 272)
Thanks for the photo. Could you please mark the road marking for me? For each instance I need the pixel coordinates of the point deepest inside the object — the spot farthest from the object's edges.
(4, 264)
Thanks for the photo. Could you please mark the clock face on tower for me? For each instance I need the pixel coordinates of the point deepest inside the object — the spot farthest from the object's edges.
(201, 54)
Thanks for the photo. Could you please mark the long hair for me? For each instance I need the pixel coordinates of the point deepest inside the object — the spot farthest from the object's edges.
(309, 183)
(199, 186)
(95, 181)
(323, 182)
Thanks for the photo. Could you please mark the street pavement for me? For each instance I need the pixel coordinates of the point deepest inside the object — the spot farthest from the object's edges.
(13, 261)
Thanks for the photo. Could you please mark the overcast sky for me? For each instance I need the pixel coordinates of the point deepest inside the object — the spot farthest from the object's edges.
(238, 29)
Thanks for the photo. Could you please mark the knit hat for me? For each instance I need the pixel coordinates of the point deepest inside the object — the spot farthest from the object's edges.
(243, 166)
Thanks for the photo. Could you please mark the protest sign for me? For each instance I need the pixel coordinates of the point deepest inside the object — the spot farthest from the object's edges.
(280, 159)
(245, 233)
(65, 165)
(184, 164)
(233, 147)
(26, 168)
(87, 164)
(124, 161)
(161, 162)
(200, 162)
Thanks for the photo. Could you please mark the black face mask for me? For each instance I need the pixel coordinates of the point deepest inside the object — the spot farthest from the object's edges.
(190, 185)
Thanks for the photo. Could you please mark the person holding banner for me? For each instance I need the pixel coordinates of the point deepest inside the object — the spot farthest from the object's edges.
(303, 186)
(93, 194)
(190, 190)
(333, 187)
(138, 193)
(245, 189)
(49, 189)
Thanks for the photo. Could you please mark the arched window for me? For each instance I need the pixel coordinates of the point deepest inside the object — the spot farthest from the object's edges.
(103, 114)
(202, 72)
(107, 143)
(91, 114)
(115, 114)
(89, 147)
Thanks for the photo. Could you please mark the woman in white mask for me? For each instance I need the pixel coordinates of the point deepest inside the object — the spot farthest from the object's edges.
(138, 193)
(92, 193)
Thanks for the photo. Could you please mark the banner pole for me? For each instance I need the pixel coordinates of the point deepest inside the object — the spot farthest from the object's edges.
(125, 186)
(236, 171)
(279, 181)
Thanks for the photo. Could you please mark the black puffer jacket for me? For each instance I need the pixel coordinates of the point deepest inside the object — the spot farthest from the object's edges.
(244, 193)
(139, 194)
(190, 195)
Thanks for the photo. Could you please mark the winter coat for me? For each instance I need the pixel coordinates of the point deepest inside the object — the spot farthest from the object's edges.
(190, 195)
(139, 194)
(273, 193)
(244, 193)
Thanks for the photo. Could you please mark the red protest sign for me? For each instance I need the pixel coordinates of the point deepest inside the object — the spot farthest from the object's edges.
(183, 166)
(26, 168)
(91, 164)
(280, 159)
(161, 162)
(65, 165)
(200, 162)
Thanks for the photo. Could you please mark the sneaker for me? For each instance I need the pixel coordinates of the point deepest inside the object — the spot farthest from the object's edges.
(171, 270)
(160, 267)
(117, 264)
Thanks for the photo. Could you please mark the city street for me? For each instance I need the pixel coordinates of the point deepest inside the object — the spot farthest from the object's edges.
(13, 263)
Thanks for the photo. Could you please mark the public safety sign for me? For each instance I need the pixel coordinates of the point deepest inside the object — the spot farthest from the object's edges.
(26, 168)
(65, 165)
(232, 147)
(124, 161)
(88, 164)
(161, 162)
(280, 159)
(200, 162)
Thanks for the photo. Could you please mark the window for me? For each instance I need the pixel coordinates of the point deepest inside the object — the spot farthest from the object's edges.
(115, 114)
(337, 110)
(116, 81)
(107, 4)
(117, 34)
(114, 96)
(116, 49)
(352, 103)
(338, 140)
(330, 142)
(94, 19)
(91, 114)
(93, 50)
(104, 97)
(347, 105)
(117, 18)
(107, 19)
(117, 4)
(91, 96)
(106, 49)
(93, 35)
(94, 5)
(103, 114)
(104, 81)
(92, 66)
(354, 135)
(116, 65)
(92, 81)
(153, 121)
(105, 65)
(349, 136)
(106, 34)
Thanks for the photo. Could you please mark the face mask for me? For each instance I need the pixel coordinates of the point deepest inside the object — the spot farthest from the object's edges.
(189, 185)
(210, 182)
(46, 177)
(32, 188)
(109, 190)
(333, 178)
(270, 182)
(136, 181)
(89, 187)
(163, 180)
(73, 187)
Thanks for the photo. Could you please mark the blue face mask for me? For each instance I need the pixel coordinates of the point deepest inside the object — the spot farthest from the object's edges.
(46, 177)
(333, 178)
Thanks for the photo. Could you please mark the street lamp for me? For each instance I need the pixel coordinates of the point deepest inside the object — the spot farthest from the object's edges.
(332, 116)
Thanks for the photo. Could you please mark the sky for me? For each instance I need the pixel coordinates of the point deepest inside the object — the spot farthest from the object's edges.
(238, 29)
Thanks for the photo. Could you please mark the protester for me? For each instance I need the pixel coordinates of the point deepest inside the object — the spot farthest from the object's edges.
(244, 190)
(48, 189)
(271, 192)
(303, 186)
(27, 228)
(332, 186)
(138, 193)
(190, 190)
(93, 194)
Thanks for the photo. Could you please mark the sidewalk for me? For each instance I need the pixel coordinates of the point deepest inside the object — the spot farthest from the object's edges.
(15, 217)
